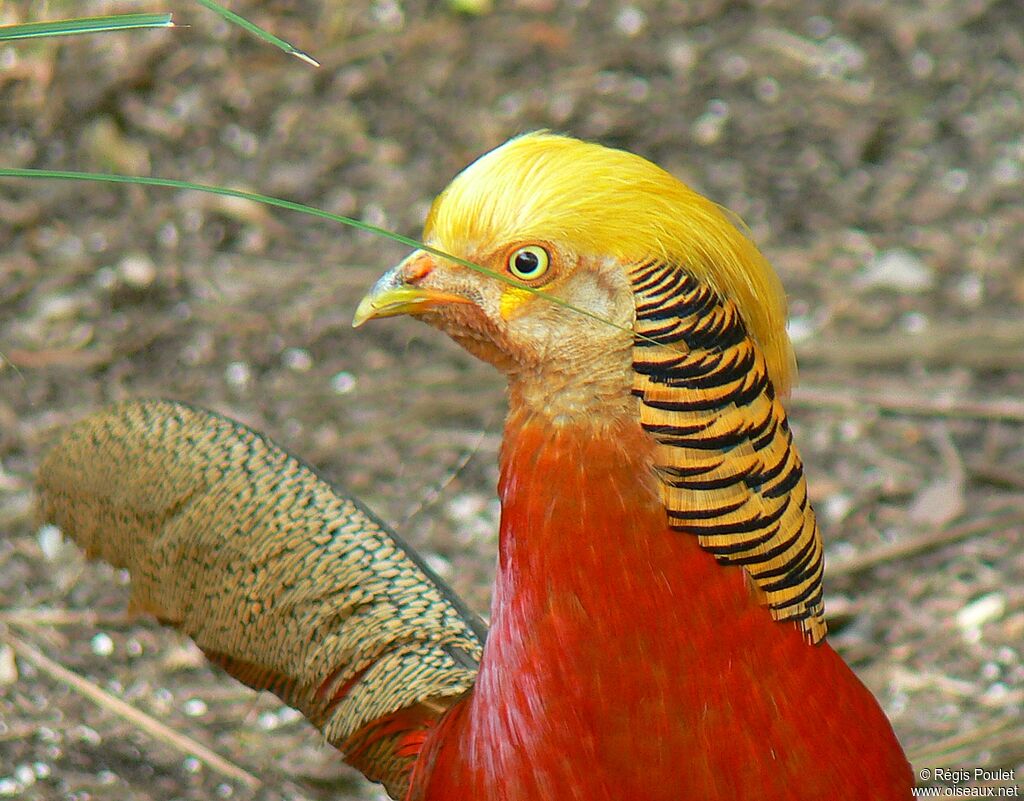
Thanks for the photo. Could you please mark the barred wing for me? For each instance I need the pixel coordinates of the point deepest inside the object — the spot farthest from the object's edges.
(286, 584)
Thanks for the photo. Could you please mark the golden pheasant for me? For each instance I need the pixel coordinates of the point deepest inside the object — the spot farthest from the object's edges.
(657, 625)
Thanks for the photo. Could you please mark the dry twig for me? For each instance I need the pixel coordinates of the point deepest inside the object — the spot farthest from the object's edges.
(997, 475)
(980, 344)
(1009, 410)
(430, 495)
(959, 748)
(63, 617)
(137, 718)
(912, 546)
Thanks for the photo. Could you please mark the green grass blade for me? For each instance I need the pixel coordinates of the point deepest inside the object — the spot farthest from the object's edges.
(255, 30)
(173, 183)
(69, 27)
(290, 205)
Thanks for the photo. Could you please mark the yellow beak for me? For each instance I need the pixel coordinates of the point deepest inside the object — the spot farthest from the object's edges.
(391, 296)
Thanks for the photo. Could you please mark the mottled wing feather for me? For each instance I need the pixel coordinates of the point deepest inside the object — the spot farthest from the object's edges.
(286, 584)
(728, 470)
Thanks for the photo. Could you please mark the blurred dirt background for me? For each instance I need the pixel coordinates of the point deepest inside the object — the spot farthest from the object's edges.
(875, 148)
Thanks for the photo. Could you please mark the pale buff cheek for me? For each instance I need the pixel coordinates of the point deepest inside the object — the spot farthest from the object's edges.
(511, 300)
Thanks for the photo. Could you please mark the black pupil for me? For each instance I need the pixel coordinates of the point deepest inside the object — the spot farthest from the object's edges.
(527, 262)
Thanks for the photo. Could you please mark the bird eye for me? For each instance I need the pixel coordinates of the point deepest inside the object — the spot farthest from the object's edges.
(529, 263)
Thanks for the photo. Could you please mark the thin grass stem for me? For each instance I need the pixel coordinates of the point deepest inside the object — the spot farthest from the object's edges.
(290, 205)
(256, 30)
(70, 27)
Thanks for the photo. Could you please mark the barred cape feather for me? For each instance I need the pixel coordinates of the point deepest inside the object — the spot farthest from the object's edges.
(728, 471)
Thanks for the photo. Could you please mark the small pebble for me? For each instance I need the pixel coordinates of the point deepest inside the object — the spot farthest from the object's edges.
(137, 270)
(242, 141)
(630, 21)
(465, 507)
(836, 507)
(735, 67)
(914, 323)
(238, 374)
(971, 290)
(800, 328)
(105, 278)
(767, 90)
(85, 734)
(194, 707)
(896, 269)
(707, 129)
(850, 430)
(101, 644)
(51, 541)
(167, 236)
(58, 307)
(681, 56)
(342, 383)
(980, 611)
(297, 359)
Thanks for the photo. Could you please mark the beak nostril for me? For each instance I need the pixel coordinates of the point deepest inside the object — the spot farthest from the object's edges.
(417, 270)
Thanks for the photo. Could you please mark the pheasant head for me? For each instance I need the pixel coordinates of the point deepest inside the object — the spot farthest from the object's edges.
(562, 226)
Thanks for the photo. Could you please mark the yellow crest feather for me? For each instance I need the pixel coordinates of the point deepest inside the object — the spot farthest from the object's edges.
(605, 202)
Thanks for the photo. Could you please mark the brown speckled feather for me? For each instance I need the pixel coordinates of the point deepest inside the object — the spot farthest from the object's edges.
(289, 586)
(728, 470)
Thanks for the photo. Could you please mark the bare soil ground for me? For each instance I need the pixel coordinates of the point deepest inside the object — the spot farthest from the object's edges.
(875, 149)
